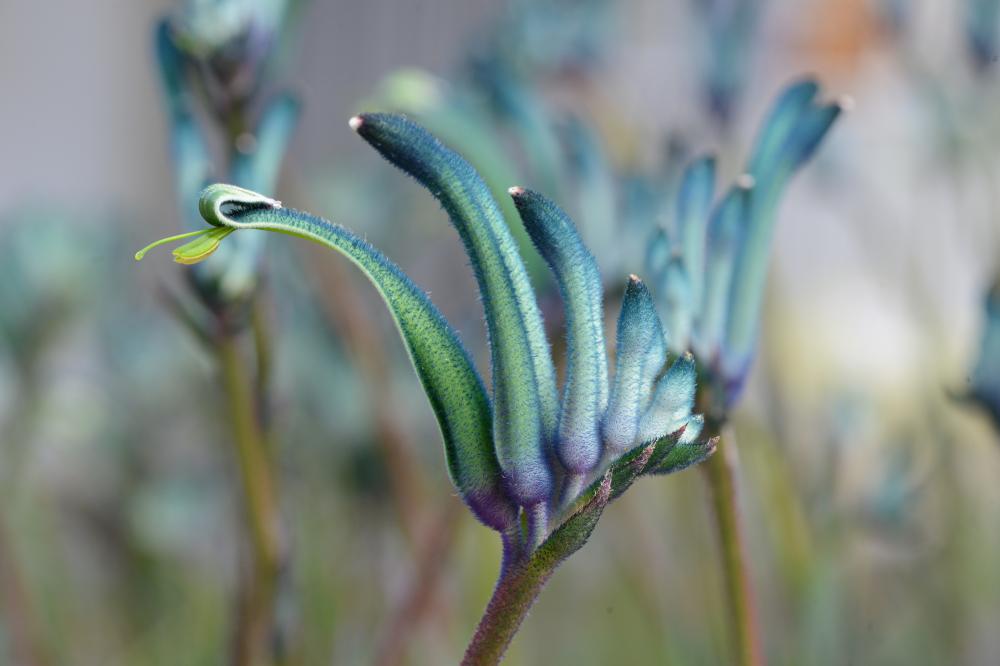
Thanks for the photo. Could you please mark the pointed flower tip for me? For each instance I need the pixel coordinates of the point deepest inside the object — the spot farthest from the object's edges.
(746, 182)
(515, 191)
(356, 122)
(846, 103)
(634, 279)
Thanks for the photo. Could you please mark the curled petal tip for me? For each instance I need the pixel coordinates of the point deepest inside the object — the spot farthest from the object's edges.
(356, 122)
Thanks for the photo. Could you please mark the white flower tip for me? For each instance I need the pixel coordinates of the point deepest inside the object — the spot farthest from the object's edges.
(356, 122)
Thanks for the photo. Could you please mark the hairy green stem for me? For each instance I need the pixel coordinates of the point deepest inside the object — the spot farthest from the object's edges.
(255, 620)
(516, 591)
(720, 471)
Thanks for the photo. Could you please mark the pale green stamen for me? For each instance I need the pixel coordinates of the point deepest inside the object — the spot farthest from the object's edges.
(206, 241)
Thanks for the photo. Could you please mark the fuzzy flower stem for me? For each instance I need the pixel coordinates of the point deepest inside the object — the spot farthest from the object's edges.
(255, 620)
(720, 471)
(520, 583)
(516, 591)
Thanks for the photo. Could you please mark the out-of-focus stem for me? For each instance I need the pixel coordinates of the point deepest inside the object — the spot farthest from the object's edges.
(256, 617)
(721, 470)
(794, 539)
(16, 613)
(264, 355)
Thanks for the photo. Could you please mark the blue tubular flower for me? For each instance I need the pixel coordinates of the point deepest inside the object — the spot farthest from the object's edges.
(524, 388)
(725, 235)
(791, 134)
(659, 252)
(985, 381)
(585, 393)
(694, 202)
(499, 455)
(677, 272)
(673, 401)
(676, 288)
(496, 450)
(640, 354)
(710, 278)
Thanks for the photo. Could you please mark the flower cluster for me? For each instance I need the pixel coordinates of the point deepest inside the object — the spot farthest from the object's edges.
(709, 271)
(524, 449)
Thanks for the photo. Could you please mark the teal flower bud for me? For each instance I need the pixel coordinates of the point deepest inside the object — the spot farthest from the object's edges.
(578, 443)
(640, 354)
